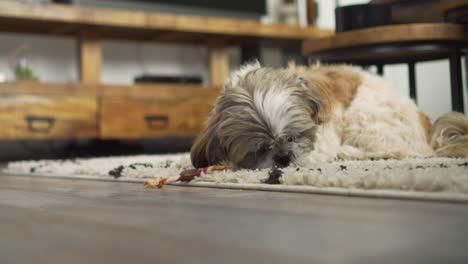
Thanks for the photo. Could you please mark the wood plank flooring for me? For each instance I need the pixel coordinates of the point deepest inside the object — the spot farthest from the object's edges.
(68, 221)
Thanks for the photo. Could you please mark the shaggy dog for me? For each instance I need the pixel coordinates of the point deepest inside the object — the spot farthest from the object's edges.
(268, 118)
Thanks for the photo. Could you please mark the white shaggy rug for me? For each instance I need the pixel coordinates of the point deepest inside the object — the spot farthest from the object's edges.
(440, 179)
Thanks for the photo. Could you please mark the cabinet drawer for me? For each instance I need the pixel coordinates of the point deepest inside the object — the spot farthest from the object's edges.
(47, 116)
(145, 118)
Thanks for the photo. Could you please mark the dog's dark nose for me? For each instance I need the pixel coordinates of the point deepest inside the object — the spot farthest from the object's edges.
(282, 160)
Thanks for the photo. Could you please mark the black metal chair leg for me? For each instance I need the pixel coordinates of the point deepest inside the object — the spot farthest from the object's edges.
(412, 81)
(456, 80)
(380, 69)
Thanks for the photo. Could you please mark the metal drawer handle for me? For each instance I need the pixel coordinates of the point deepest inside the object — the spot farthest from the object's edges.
(40, 124)
(156, 122)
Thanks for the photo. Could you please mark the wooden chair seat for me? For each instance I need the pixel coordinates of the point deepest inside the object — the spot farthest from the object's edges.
(388, 44)
(406, 43)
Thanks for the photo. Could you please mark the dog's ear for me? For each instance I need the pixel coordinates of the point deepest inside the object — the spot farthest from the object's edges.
(207, 149)
(316, 99)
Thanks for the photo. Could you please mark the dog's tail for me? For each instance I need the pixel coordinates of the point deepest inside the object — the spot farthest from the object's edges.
(449, 135)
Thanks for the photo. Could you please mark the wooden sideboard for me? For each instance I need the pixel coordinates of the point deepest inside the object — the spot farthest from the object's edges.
(89, 109)
(30, 110)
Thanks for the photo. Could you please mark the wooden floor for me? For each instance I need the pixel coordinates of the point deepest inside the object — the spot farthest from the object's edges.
(64, 221)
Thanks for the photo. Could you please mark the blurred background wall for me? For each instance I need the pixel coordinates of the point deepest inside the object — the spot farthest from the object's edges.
(54, 58)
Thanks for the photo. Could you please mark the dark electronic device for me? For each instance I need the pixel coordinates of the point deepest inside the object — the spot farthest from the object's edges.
(256, 7)
(244, 6)
(146, 78)
(63, 1)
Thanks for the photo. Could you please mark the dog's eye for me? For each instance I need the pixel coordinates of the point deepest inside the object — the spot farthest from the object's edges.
(262, 149)
(290, 139)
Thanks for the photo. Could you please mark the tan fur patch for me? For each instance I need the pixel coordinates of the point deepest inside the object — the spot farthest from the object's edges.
(340, 82)
(425, 123)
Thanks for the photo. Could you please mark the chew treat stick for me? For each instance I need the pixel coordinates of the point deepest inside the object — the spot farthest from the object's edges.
(184, 176)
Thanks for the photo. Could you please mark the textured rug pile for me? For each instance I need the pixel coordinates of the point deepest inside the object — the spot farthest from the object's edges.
(431, 178)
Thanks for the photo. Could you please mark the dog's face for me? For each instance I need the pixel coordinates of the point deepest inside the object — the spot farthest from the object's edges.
(264, 117)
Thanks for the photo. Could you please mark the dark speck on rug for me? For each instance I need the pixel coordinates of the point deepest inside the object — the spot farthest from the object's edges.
(274, 176)
(117, 172)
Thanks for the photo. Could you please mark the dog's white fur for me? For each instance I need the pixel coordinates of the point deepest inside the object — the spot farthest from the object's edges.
(368, 120)
(377, 124)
